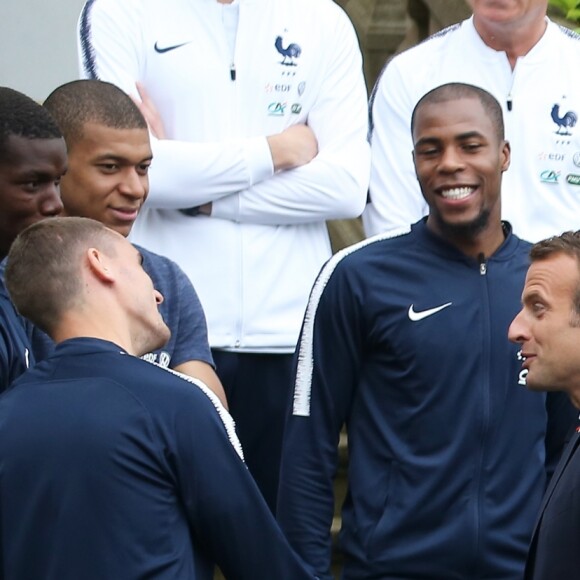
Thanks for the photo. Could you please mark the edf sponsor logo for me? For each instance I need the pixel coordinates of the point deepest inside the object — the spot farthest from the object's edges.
(551, 156)
(278, 88)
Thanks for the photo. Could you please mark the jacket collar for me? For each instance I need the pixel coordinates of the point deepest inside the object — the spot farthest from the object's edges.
(447, 250)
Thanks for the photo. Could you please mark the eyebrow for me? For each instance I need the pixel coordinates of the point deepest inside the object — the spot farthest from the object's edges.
(120, 159)
(41, 174)
(528, 297)
(460, 137)
(469, 135)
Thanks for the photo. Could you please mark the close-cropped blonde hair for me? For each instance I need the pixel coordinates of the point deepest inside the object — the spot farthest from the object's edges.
(43, 271)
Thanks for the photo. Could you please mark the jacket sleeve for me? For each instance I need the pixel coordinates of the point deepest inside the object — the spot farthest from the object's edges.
(562, 424)
(395, 198)
(237, 176)
(328, 366)
(334, 184)
(227, 515)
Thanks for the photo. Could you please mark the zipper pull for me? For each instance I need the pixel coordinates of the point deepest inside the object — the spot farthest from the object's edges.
(482, 264)
(509, 102)
(233, 71)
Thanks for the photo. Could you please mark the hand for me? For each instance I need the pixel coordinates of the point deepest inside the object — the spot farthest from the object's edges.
(294, 147)
(206, 208)
(150, 112)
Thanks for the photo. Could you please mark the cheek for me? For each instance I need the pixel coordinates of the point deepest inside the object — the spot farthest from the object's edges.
(424, 171)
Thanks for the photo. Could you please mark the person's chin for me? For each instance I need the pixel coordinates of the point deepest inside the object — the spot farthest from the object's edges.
(156, 339)
(533, 384)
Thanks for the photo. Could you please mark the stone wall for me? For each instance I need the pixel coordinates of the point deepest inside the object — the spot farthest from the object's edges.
(385, 27)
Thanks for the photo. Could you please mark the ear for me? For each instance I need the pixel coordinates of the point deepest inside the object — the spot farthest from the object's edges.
(98, 264)
(506, 152)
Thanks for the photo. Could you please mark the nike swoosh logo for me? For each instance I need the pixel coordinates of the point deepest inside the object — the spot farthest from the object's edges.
(415, 316)
(168, 48)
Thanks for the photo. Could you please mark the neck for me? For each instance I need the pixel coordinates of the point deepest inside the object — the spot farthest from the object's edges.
(471, 241)
(484, 245)
(515, 39)
(85, 325)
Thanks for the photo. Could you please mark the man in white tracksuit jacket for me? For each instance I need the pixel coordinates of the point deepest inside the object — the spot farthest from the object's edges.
(263, 105)
(531, 66)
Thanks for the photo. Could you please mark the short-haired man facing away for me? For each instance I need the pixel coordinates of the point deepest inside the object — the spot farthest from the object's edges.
(113, 467)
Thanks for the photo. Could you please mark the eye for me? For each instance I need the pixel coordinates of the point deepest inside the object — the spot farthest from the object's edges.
(538, 309)
(108, 167)
(31, 186)
(472, 146)
(143, 168)
(427, 151)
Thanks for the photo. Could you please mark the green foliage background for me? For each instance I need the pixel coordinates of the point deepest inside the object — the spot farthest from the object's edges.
(568, 9)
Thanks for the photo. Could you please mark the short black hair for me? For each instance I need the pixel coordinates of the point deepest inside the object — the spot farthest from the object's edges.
(454, 91)
(77, 103)
(21, 116)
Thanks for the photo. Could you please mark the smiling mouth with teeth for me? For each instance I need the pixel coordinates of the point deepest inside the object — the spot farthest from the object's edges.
(457, 193)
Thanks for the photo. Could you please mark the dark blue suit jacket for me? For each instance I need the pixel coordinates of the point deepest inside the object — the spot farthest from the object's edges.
(555, 548)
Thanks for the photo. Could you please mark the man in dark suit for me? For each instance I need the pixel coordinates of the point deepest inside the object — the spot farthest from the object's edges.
(548, 328)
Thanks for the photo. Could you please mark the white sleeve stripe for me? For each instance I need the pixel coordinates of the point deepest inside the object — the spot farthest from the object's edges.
(303, 385)
(226, 418)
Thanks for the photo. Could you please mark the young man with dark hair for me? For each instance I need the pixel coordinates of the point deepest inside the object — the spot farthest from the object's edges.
(261, 138)
(112, 467)
(404, 341)
(32, 162)
(109, 156)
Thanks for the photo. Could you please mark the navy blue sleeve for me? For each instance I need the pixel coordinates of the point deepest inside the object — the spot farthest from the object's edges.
(15, 355)
(226, 512)
(328, 367)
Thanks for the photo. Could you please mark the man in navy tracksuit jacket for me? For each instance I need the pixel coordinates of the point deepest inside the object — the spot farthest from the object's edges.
(32, 162)
(111, 467)
(405, 342)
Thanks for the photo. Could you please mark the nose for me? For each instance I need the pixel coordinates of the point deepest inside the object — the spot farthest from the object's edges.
(158, 297)
(517, 331)
(133, 184)
(50, 203)
(451, 160)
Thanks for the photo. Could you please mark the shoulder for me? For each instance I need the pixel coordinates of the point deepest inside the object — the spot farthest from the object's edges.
(326, 16)
(154, 386)
(186, 401)
(159, 267)
(357, 259)
(408, 75)
(430, 46)
(567, 36)
(114, 6)
(522, 250)
(96, 15)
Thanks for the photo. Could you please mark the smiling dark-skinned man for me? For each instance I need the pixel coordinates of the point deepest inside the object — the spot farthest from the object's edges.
(405, 342)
